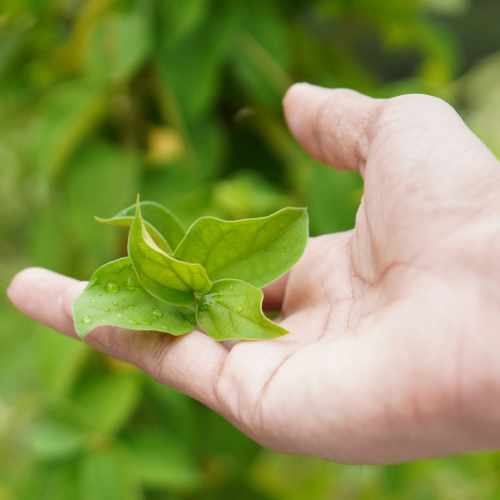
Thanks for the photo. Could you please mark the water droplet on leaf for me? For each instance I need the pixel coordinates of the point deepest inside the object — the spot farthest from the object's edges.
(86, 320)
(111, 287)
(157, 313)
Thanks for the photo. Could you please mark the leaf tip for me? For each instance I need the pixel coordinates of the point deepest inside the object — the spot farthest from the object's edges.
(101, 220)
(280, 330)
(138, 211)
(80, 329)
(81, 334)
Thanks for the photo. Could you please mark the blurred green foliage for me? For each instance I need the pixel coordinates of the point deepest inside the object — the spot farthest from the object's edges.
(180, 101)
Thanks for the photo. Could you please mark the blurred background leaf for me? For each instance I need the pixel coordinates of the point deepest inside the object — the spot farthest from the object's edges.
(181, 102)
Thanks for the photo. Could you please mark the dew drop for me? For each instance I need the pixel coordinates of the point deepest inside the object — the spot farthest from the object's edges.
(111, 287)
(86, 320)
(157, 313)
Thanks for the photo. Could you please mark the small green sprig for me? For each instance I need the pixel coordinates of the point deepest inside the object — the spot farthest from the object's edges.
(209, 277)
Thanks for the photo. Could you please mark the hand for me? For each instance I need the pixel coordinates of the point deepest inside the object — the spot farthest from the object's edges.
(395, 326)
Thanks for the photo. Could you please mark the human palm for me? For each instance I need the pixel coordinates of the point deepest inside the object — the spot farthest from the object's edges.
(393, 326)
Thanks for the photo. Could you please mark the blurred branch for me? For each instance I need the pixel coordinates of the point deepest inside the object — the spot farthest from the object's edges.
(263, 59)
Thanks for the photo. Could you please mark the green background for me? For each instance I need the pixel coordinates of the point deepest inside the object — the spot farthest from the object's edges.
(181, 101)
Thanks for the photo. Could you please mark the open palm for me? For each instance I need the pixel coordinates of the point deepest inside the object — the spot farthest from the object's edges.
(393, 326)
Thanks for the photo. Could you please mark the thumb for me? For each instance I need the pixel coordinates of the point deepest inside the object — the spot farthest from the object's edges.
(342, 128)
(332, 125)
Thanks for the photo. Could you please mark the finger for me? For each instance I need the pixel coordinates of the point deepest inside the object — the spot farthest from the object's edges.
(43, 295)
(333, 125)
(190, 363)
(274, 293)
(342, 127)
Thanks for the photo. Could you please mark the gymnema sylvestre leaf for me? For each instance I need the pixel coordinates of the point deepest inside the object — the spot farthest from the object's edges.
(162, 223)
(115, 297)
(209, 277)
(254, 250)
(163, 276)
(234, 306)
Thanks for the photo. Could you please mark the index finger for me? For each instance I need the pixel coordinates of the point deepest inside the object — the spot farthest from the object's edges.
(190, 363)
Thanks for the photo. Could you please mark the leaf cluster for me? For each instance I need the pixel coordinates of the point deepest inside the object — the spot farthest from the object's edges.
(209, 277)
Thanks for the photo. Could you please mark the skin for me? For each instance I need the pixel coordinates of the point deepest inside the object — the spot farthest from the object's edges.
(394, 343)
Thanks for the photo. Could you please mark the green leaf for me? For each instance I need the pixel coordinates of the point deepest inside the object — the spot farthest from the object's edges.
(254, 250)
(162, 224)
(233, 310)
(163, 276)
(154, 233)
(114, 297)
(107, 475)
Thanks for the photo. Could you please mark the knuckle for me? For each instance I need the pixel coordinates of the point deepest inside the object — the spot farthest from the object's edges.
(158, 355)
(417, 101)
(407, 114)
(227, 382)
(149, 353)
(416, 106)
